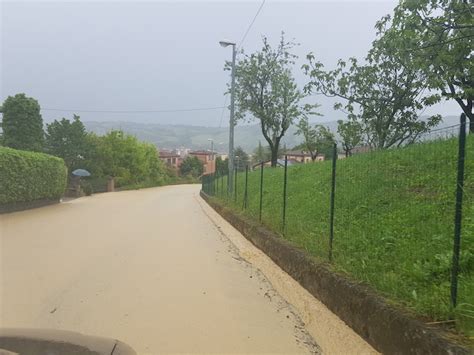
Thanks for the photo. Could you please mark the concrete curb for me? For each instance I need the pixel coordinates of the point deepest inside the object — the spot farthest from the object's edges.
(387, 328)
(21, 206)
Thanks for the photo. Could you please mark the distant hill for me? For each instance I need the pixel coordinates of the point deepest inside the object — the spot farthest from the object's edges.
(196, 137)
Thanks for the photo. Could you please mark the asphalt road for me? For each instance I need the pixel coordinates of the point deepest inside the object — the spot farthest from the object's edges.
(161, 271)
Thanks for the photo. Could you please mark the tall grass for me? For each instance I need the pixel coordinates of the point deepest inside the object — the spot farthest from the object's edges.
(394, 221)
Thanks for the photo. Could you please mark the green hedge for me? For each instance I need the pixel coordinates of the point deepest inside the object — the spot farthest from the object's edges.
(29, 176)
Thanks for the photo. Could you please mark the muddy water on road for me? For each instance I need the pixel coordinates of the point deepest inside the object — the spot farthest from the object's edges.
(159, 270)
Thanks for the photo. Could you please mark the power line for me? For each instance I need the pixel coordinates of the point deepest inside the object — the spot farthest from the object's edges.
(250, 26)
(135, 111)
(223, 110)
(238, 47)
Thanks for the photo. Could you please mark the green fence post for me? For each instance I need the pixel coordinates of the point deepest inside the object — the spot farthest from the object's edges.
(285, 180)
(246, 186)
(214, 184)
(333, 191)
(261, 190)
(458, 211)
(235, 185)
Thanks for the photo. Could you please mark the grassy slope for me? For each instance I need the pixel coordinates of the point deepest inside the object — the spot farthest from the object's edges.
(393, 220)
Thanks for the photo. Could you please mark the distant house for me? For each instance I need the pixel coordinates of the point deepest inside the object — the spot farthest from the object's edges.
(280, 163)
(361, 149)
(171, 158)
(303, 157)
(207, 158)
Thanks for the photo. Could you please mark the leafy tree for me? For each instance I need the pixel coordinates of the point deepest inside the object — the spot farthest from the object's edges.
(191, 166)
(384, 96)
(67, 140)
(222, 166)
(261, 154)
(351, 135)
(94, 157)
(124, 157)
(170, 172)
(266, 90)
(316, 138)
(22, 123)
(241, 159)
(153, 169)
(435, 37)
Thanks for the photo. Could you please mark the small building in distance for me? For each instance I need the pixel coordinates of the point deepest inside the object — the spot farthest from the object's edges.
(207, 158)
(303, 157)
(361, 149)
(280, 163)
(170, 158)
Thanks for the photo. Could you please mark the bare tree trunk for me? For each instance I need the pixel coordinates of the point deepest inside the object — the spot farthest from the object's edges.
(274, 160)
(274, 148)
(467, 109)
(470, 115)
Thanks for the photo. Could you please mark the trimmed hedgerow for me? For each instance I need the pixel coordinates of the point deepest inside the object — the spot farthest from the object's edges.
(28, 176)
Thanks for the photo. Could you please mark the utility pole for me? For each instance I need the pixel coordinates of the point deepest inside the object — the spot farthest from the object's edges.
(232, 114)
(212, 147)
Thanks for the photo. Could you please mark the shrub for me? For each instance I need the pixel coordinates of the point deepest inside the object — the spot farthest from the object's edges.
(87, 187)
(191, 166)
(28, 176)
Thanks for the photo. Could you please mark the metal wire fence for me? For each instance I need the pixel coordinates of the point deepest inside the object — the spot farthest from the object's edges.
(401, 220)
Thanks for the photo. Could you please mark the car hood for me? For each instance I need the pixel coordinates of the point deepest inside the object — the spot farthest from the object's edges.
(52, 341)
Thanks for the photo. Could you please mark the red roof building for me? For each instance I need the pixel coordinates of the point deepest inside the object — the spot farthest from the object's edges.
(171, 158)
(207, 158)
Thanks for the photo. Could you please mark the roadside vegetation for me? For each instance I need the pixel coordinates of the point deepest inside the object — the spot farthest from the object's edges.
(29, 176)
(394, 206)
(394, 213)
(132, 163)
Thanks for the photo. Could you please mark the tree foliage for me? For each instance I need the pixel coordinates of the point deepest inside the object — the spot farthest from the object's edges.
(222, 166)
(384, 96)
(351, 135)
(124, 157)
(261, 153)
(191, 165)
(22, 123)
(266, 90)
(67, 140)
(241, 159)
(436, 37)
(316, 138)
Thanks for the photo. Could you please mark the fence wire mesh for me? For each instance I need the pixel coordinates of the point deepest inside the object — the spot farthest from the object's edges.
(393, 218)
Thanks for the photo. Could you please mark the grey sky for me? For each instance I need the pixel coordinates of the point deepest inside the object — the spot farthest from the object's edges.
(156, 55)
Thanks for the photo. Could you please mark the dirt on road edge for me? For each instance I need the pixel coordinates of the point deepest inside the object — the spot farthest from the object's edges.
(331, 334)
(386, 328)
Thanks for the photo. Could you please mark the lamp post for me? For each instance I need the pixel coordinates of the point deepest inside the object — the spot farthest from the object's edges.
(213, 162)
(212, 147)
(231, 120)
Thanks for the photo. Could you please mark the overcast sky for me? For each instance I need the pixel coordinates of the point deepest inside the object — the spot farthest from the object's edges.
(157, 55)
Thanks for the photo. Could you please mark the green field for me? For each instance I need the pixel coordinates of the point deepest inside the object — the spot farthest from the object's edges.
(394, 221)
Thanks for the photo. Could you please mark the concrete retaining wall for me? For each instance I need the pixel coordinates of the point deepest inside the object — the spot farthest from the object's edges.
(387, 328)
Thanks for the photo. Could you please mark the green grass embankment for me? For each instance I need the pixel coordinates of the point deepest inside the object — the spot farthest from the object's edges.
(394, 221)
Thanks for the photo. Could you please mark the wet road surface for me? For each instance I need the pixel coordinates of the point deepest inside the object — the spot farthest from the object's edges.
(161, 271)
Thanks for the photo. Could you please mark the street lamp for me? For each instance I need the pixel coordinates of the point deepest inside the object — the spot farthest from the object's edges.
(231, 120)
